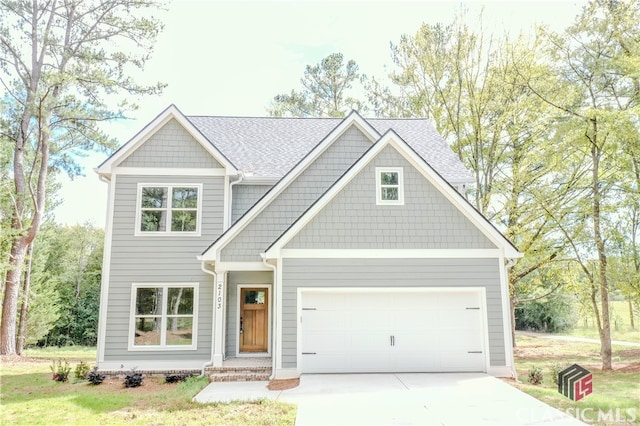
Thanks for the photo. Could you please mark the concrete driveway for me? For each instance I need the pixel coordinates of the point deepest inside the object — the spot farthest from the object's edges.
(399, 399)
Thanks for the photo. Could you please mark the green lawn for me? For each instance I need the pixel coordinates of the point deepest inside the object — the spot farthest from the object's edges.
(620, 324)
(30, 396)
(615, 393)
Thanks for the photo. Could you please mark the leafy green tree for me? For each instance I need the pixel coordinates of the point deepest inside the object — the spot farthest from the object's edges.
(472, 87)
(325, 91)
(597, 58)
(63, 63)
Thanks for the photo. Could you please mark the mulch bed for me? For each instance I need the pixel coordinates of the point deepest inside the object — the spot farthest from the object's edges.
(283, 384)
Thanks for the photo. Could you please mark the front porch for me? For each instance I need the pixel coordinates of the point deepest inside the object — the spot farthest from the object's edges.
(241, 369)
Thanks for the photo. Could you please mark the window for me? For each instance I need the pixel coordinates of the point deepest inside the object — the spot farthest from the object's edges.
(389, 186)
(168, 209)
(164, 316)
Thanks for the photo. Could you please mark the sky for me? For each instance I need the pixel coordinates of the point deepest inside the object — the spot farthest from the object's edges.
(232, 58)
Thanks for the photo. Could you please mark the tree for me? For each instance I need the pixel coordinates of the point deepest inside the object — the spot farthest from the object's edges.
(62, 63)
(598, 58)
(324, 94)
(470, 85)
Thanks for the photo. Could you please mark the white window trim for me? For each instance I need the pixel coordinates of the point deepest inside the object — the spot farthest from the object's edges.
(379, 200)
(161, 347)
(168, 232)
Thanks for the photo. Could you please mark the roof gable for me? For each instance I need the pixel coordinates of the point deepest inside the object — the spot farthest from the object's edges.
(391, 139)
(166, 116)
(353, 120)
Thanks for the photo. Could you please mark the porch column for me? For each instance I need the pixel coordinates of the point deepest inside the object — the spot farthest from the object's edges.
(218, 321)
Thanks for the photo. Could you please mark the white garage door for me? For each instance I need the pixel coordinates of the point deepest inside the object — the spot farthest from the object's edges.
(392, 331)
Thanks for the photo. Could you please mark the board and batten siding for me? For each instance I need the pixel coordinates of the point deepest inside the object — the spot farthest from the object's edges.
(158, 259)
(426, 220)
(390, 273)
(297, 197)
(234, 279)
(171, 147)
(245, 196)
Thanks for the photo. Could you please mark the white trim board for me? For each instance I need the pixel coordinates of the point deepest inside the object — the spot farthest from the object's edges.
(167, 171)
(390, 253)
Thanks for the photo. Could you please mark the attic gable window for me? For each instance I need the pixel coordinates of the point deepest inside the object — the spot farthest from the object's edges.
(168, 209)
(389, 186)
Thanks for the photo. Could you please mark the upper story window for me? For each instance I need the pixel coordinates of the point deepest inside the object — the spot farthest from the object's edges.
(389, 186)
(168, 209)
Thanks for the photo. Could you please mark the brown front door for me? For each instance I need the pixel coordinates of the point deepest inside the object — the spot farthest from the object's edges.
(254, 319)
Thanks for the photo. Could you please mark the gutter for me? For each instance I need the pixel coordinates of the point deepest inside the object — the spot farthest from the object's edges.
(274, 298)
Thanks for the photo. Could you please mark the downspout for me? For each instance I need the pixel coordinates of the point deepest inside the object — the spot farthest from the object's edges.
(274, 326)
(508, 264)
(214, 274)
(231, 184)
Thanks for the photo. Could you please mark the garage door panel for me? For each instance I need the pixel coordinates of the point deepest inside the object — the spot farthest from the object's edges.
(402, 331)
(324, 320)
(313, 342)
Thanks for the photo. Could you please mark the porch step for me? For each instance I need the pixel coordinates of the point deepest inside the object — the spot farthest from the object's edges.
(238, 374)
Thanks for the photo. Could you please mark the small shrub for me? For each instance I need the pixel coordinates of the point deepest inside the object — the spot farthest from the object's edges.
(133, 379)
(81, 371)
(60, 371)
(94, 377)
(175, 378)
(556, 368)
(535, 375)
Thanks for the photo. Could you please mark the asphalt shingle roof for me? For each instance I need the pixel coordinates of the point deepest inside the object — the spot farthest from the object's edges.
(271, 146)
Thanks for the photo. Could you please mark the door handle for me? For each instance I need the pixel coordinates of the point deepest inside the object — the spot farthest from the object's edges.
(392, 340)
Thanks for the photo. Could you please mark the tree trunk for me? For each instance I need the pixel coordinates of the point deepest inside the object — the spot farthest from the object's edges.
(24, 310)
(605, 330)
(10, 302)
(633, 326)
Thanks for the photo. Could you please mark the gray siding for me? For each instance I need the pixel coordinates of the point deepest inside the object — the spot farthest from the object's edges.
(295, 199)
(158, 259)
(301, 273)
(233, 280)
(245, 196)
(171, 146)
(427, 220)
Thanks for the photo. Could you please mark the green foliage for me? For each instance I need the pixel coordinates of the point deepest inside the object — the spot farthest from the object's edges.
(549, 315)
(324, 93)
(68, 264)
(81, 371)
(556, 368)
(535, 376)
(60, 370)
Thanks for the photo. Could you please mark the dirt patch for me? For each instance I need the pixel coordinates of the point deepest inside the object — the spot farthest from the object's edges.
(632, 367)
(283, 384)
(149, 385)
(17, 359)
(629, 353)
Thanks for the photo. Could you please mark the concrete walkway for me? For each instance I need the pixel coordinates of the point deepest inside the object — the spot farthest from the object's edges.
(574, 339)
(394, 399)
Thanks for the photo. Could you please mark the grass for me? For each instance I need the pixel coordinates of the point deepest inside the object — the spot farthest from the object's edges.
(615, 393)
(620, 324)
(29, 396)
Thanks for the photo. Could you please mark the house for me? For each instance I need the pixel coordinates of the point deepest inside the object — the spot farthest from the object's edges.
(325, 245)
